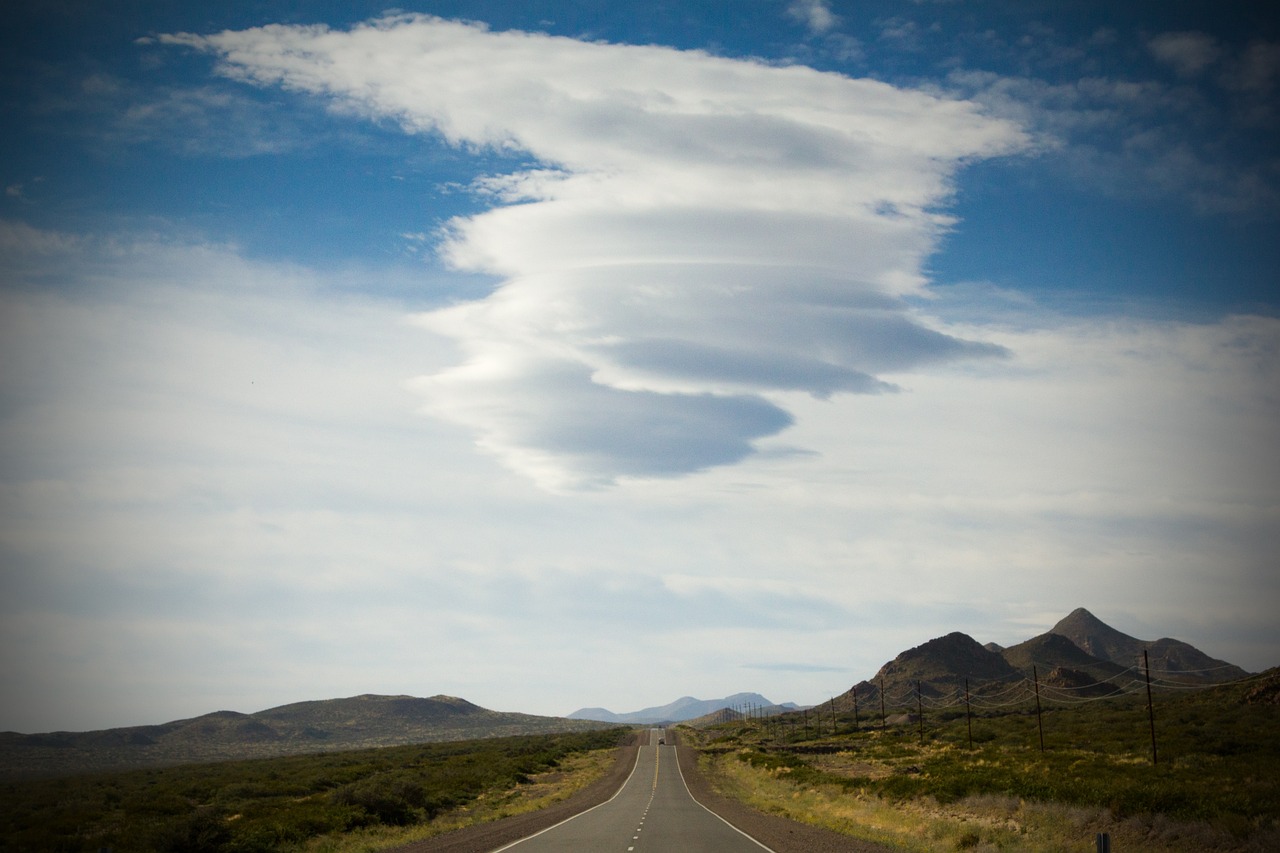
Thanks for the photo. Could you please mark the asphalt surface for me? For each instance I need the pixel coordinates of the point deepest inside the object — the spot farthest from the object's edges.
(654, 799)
(652, 813)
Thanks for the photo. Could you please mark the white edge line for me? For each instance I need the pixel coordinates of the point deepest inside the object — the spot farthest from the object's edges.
(713, 814)
(621, 788)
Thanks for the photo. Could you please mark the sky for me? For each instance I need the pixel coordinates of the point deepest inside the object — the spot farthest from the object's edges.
(595, 353)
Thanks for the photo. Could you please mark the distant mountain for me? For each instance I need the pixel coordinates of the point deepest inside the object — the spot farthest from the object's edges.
(684, 708)
(1081, 653)
(727, 714)
(939, 666)
(331, 724)
(1171, 658)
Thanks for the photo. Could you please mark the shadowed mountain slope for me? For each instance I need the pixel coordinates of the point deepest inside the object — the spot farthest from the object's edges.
(1058, 662)
(939, 666)
(1050, 650)
(1081, 654)
(1169, 658)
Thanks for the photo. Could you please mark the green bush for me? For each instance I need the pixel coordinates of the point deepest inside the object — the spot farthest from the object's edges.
(204, 830)
(269, 804)
(392, 801)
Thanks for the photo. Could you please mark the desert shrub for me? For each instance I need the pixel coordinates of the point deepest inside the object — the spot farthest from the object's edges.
(201, 831)
(270, 804)
(391, 801)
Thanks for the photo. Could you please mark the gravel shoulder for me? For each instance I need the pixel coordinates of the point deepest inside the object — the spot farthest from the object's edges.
(778, 833)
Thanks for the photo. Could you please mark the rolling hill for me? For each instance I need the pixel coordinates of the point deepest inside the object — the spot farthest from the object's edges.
(324, 725)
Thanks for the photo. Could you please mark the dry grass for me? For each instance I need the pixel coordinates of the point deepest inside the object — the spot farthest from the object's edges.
(1010, 781)
(980, 823)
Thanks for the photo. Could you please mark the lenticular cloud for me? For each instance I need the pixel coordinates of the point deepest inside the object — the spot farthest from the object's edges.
(698, 233)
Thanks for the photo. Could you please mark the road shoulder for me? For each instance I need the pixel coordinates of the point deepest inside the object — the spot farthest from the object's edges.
(780, 834)
(484, 837)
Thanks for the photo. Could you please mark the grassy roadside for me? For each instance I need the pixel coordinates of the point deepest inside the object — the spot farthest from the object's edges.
(542, 790)
(1216, 786)
(979, 822)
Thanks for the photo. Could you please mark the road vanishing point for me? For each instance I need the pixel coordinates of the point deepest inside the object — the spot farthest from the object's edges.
(653, 812)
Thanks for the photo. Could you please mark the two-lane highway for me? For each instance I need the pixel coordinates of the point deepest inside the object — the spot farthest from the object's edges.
(652, 813)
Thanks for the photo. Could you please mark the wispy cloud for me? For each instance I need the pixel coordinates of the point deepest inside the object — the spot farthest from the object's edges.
(204, 120)
(1142, 137)
(1188, 52)
(816, 15)
(698, 233)
(1195, 127)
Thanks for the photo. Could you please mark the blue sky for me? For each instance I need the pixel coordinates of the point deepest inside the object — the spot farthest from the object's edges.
(593, 354)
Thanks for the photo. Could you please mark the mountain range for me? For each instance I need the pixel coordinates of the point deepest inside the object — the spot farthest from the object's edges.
(684, 708)
(1080, 652)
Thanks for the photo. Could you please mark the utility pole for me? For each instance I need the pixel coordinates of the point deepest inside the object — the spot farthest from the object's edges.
(920, 712)
(1151, 714)
(1039, 720)
(968, 718)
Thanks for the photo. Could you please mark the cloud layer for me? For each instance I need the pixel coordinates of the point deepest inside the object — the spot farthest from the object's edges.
(693, 233)
(210, 457)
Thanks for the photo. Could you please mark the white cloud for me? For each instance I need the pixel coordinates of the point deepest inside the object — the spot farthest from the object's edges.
(814, 14)
(699, 232)
(208, 457)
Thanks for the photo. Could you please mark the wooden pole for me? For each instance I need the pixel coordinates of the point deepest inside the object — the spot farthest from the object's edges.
(920, 712)
(1151, 714)
(881, 704)
(855, 707)
(968, 718)
(833, 716)
(1039, 719)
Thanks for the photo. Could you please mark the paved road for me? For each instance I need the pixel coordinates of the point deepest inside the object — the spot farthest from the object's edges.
(652, 813)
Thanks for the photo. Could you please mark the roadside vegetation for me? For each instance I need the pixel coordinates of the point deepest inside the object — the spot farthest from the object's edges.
(342, 801)
(1214, 784)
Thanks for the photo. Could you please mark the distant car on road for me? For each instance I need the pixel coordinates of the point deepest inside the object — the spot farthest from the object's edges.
(661, 741)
